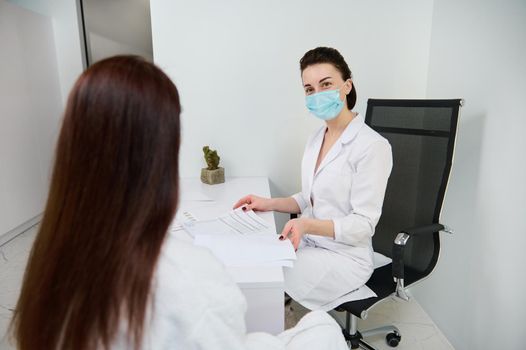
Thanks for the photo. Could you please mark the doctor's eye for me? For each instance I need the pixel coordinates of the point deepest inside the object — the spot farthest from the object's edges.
(326, 84)
(309, 90)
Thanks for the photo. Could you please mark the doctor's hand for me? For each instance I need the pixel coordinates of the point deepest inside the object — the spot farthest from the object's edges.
(294, 230)
(252, 202)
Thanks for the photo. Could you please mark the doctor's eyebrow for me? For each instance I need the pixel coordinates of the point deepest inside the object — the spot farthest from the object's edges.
(321, 81)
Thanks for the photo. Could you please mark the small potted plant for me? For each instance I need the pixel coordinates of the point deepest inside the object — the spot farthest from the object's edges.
(213, 174)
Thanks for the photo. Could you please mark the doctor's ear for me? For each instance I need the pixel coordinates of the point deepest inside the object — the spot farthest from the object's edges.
(348, 86)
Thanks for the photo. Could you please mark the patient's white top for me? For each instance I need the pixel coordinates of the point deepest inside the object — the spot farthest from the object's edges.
(198, 306)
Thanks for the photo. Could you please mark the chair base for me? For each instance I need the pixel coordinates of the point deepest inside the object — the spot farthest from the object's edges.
(356, 339)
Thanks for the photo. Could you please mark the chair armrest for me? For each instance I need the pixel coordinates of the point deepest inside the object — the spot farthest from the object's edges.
(420, 230)
(398, 251)
(401, 240)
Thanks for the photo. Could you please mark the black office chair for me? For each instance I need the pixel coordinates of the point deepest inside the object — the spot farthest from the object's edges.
(422, 136)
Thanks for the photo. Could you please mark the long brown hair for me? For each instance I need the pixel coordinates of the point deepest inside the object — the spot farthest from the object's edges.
(113, 194)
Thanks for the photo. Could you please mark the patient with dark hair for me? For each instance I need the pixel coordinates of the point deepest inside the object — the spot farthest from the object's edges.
(104, 273)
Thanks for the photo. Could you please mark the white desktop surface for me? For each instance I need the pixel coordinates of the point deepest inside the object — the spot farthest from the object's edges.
(262, 286)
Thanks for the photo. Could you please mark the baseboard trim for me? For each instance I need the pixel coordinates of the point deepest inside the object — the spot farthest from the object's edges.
(10, 235)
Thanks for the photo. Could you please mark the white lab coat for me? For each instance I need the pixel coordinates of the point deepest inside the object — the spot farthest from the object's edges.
(348, 188)
(197, 305)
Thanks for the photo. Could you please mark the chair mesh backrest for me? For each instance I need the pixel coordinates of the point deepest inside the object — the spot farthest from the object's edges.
(422, 135)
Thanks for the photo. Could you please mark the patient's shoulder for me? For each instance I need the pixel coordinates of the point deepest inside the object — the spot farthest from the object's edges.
(182, 259)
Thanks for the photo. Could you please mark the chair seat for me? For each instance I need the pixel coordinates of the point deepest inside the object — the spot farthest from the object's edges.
(383, 285)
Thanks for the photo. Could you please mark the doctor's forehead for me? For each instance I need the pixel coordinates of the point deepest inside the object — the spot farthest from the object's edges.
(315, 73)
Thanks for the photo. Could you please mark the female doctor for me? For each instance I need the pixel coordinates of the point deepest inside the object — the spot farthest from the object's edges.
(344, 173)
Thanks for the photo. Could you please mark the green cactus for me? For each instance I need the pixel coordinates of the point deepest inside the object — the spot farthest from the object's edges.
(211, 158)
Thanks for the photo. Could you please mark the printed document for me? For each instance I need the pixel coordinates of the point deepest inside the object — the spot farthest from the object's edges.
(241, 238)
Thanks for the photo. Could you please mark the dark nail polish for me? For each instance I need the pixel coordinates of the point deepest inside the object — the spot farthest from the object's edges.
(281, 238)
(244, 208)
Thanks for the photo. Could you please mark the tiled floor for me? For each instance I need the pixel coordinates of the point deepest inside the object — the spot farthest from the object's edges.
(13, 258)
(417, 329)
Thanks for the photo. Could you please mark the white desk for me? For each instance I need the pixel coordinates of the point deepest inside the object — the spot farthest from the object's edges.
(262, 286)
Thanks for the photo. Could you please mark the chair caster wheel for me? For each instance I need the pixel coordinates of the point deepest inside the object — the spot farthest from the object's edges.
(393, 339)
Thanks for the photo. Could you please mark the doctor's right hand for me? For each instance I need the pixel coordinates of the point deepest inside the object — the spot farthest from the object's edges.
(252, 202)
(294, 230)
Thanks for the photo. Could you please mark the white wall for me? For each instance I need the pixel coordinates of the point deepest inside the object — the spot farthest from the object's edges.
(67, 37)
(64, 14)
(30, 105)
(478, 52)
(236, 66)
(41, 59)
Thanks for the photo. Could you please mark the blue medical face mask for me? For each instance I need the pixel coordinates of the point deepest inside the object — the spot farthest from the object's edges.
(325, 105)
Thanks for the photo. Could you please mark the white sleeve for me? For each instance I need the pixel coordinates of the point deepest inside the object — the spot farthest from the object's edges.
(316, 330)
(301, 200)
(367, 195)
(198, 305)
(219, 328)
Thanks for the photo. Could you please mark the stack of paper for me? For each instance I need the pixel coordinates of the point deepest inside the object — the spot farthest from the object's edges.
(241, 238)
